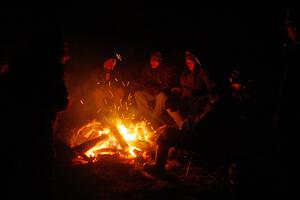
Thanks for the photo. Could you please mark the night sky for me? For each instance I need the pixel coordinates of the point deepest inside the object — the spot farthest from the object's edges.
(218, 35)
(246, 37)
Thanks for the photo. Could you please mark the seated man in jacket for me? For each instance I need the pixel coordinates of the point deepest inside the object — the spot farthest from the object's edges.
(155, 84)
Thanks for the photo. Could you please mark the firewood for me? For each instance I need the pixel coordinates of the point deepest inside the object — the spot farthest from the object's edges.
(107, 150)
(119, 137)
(84, 147)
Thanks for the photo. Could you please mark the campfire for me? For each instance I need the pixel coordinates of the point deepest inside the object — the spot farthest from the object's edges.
(124, 139)
(115, 131)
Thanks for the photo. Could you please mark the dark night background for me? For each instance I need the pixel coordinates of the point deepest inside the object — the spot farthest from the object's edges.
(250, 37)
(222, 37)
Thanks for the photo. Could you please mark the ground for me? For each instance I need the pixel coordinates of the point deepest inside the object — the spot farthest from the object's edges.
(110, 178)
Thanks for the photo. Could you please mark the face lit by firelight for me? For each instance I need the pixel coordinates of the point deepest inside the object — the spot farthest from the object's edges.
(154, 63)
(190, 65)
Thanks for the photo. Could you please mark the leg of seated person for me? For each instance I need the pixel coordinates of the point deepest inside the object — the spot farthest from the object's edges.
(160, 104)
(143, 100)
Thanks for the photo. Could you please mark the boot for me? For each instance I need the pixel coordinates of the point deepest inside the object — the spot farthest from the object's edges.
(184, 124)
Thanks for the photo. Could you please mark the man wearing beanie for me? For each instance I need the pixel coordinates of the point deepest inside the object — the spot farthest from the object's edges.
(156, 82)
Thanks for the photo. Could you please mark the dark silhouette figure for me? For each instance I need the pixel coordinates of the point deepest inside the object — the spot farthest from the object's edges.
(33, 92)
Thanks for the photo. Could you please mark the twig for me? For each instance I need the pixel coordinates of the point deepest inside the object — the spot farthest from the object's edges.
(188, 169)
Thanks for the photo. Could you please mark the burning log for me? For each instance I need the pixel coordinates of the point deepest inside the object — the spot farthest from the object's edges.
(108, 151)
(113, 137)
(115, 132)
(82, 148)
(141, 145)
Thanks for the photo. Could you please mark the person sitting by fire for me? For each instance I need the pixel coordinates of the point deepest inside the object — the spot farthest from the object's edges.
(111, 84)
(194, 99)
(153, 89)
(110, 69)
(243, 99)
(196, 93)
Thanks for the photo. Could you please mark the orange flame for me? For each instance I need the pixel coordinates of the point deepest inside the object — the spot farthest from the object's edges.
(136, 135)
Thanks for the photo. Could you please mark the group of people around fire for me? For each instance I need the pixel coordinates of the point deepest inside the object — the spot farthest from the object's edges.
(33, 92)
(170, 98)
(160, 90)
